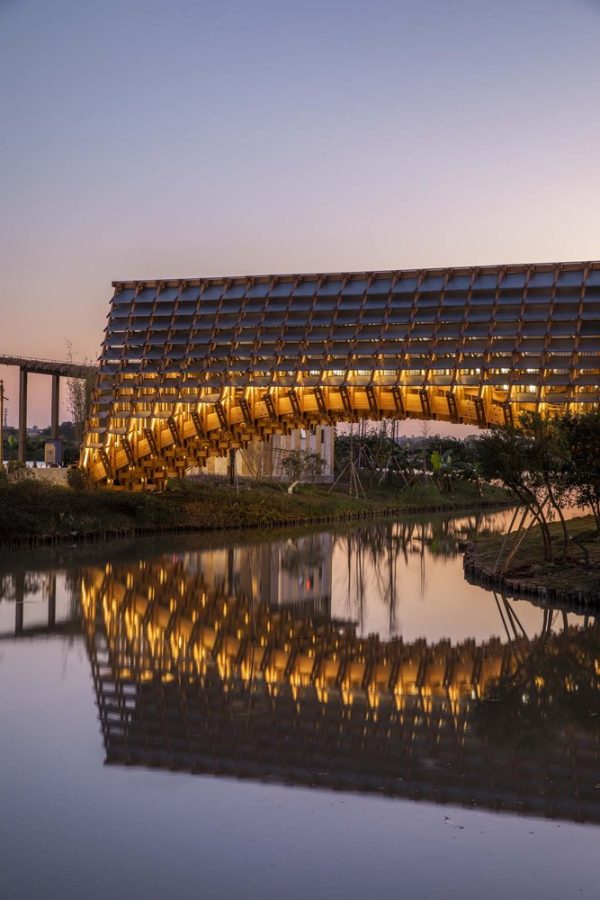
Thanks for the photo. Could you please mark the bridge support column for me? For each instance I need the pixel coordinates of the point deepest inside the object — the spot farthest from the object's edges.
(19, 601)
(54, 407)
(52, 602)
(22, 457)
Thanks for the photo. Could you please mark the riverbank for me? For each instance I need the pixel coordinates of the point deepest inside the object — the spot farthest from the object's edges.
(575, 582)
(34, 513)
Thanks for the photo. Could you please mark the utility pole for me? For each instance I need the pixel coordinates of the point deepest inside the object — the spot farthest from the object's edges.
(2, 399)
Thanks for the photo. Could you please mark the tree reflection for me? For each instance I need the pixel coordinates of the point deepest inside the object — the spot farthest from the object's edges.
(385, 548)
(554, 686)
(15, 586)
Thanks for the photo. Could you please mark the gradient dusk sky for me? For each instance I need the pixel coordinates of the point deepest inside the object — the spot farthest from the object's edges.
(179, 138)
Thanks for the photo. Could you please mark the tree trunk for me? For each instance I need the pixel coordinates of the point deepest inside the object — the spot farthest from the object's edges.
(563, 523)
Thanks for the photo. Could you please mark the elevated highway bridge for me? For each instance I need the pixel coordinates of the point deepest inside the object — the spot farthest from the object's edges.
(191, 368)
(57, 369)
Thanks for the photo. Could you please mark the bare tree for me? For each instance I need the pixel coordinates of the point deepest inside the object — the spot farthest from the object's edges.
(79, 395)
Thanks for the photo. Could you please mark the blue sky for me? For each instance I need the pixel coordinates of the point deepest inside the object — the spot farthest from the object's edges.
(155, 139)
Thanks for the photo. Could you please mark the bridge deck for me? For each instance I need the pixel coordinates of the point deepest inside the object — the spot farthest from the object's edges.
(48, 366)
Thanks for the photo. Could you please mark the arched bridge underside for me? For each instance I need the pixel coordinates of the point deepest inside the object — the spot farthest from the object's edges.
(192, 368)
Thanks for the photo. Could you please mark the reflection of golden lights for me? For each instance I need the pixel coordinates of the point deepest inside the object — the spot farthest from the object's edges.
(176, 642)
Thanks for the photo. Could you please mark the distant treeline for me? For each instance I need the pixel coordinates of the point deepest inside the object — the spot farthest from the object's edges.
(36, 442)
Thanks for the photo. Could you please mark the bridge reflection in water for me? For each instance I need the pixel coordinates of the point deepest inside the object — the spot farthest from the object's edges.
(207, 671)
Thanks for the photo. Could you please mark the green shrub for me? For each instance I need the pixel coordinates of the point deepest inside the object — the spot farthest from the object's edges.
(16, 470)
(79, 480)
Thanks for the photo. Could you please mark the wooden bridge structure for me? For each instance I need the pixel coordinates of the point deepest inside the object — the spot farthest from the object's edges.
(193, 368)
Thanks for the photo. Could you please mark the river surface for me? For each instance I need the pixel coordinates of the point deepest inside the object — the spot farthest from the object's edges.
(295, 714)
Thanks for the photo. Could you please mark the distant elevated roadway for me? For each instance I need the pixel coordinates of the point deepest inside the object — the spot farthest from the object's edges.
(49, 366)
(57, 369)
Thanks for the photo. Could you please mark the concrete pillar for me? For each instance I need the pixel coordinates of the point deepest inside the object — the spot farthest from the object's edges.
(23, 416)
(19, 601)
(54, 408)
(52, 602)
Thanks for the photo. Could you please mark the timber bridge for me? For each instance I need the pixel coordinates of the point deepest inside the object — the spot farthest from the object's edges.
(193, 368)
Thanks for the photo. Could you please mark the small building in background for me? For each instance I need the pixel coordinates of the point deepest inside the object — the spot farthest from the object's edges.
(267, 459)
(53, 452)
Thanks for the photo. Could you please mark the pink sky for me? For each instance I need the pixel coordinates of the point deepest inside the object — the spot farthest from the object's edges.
(191, 139)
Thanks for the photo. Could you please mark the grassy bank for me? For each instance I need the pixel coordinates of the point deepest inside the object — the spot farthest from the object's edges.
(32, 511)
(528, 573)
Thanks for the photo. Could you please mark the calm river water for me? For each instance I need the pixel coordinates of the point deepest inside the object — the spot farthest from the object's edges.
(303, 714)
